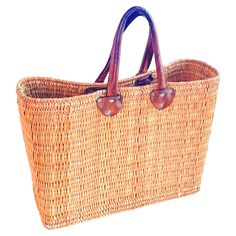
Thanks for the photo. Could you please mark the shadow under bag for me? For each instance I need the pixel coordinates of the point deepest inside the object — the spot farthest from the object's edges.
(96, 149)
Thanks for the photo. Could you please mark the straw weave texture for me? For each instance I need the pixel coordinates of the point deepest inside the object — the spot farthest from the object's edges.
(85, 165)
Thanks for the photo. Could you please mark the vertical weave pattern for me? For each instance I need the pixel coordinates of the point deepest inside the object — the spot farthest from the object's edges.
(85, 165)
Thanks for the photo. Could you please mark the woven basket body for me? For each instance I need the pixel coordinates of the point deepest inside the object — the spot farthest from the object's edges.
(85, 165)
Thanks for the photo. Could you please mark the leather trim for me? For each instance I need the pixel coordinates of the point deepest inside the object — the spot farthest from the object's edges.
(162, 98)
(109, 106)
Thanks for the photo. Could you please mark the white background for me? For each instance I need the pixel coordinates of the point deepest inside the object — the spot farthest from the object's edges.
(71, 39)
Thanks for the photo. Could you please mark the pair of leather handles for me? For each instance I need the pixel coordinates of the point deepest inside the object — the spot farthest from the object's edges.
(161, 97)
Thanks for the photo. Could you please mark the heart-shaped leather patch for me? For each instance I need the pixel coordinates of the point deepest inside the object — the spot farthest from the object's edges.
(162, 98)
(109, 106)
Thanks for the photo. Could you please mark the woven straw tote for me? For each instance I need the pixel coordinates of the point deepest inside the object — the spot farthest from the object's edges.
(96, 149)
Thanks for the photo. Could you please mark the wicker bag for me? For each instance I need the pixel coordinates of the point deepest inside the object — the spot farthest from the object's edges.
(96, 149)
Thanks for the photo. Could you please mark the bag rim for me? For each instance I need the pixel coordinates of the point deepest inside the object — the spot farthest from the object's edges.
(82, 97)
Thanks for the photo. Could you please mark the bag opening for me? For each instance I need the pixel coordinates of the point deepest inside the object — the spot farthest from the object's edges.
(178, 71)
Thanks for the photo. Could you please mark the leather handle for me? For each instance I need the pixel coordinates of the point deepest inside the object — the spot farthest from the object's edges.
(161, 97)
(146, 61)
(112, 89)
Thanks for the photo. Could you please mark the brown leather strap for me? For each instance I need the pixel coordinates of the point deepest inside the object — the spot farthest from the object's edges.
(161, 97)
(112, 88)
(146, 61)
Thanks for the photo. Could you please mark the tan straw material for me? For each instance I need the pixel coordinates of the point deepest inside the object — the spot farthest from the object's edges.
(85, 165)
